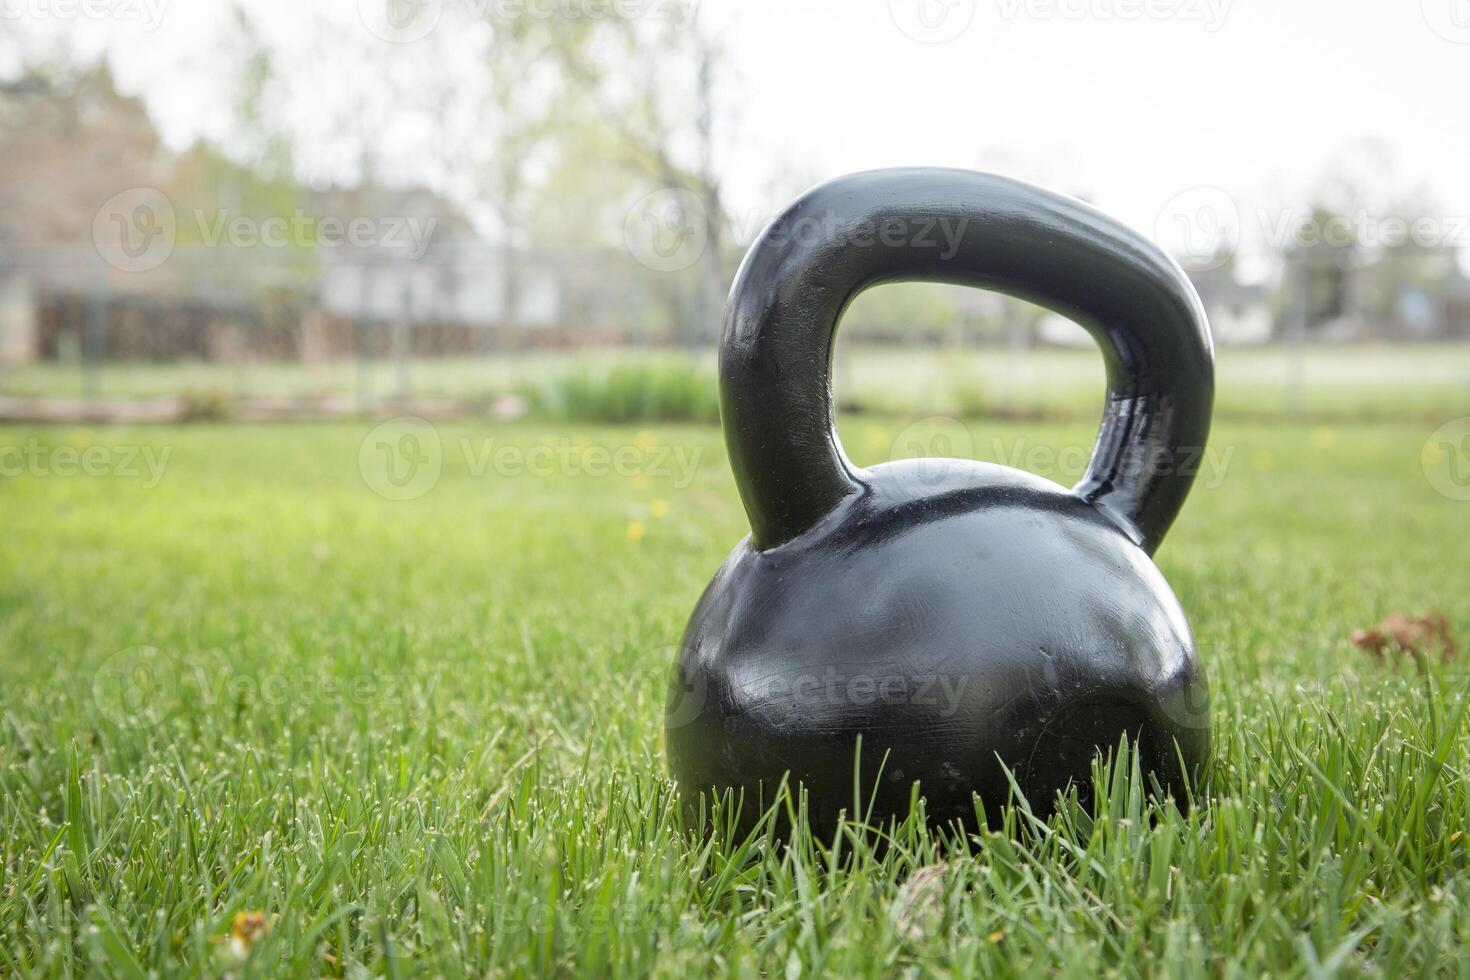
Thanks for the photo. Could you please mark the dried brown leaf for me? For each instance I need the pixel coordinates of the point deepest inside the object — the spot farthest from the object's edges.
(1418, 637)
(920, 902)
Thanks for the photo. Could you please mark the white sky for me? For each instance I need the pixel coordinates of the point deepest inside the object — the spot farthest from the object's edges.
(1253, 96)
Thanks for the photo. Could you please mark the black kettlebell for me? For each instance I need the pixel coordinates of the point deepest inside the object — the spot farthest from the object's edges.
(954, 616)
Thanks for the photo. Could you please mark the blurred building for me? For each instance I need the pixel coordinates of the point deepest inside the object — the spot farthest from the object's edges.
(427, 264)
(370, 270)
(1239, 313)
(67, 148)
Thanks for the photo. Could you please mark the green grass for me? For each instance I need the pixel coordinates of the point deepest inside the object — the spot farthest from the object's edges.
(424, 736)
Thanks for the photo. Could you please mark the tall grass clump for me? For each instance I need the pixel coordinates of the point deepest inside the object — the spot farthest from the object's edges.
(644, 391)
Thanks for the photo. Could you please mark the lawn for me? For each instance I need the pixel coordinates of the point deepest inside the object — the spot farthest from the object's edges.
(424, 735)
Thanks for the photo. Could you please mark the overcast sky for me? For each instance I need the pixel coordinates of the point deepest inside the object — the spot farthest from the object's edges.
(1127, 102)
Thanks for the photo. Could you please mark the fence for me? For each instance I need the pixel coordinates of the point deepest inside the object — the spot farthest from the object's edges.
(453, 331)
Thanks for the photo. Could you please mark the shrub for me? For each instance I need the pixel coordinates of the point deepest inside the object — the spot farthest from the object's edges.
(205, 405)
(644, 391)
(971, 400)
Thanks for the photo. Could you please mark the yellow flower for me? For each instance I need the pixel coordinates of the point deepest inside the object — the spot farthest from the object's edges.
(1322, 437)
(636, 531)
(644, 440)
(245, 930)
(641, 481)
(1263, 460)
(658, 508)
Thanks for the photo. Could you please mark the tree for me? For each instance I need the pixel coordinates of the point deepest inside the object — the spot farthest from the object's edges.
(657, 82)
(522, 56)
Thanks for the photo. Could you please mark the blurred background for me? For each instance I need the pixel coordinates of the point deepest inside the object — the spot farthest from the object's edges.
(510, 207)
(360, 461)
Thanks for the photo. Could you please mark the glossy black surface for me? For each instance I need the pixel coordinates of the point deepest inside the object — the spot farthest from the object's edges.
(952, 614)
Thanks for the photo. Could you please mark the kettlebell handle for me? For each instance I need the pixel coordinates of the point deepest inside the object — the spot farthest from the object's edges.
(972, 229)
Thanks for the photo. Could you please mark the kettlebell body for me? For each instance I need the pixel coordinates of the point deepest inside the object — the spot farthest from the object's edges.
(944, 623)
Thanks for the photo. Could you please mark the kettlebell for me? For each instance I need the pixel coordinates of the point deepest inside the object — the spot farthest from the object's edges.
(944, 627)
